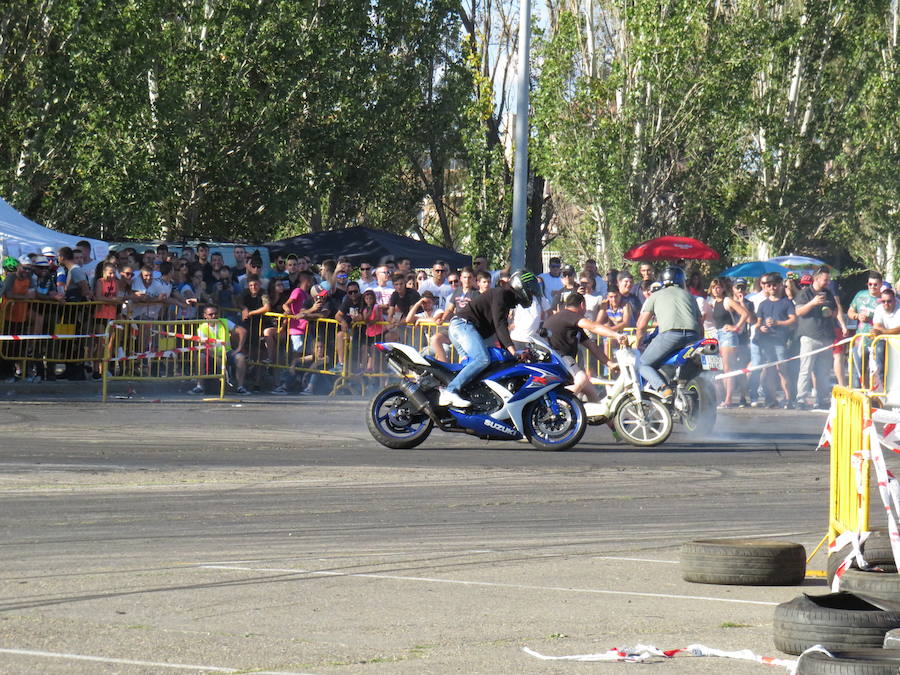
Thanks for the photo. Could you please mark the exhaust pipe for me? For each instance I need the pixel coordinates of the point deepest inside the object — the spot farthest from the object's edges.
(418, 401)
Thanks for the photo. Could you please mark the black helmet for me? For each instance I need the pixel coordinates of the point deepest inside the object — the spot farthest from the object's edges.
(525, 285)
(672, 276)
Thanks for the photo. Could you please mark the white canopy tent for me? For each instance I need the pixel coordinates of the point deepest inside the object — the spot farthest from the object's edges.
(19, 236)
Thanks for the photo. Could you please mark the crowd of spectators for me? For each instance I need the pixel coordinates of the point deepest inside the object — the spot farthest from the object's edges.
(769, 320)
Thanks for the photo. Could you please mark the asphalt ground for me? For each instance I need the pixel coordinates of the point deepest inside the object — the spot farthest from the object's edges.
(165, 534)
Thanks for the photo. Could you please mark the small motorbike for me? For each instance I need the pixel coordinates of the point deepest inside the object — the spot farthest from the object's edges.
(639, 416)
(512, 398)
(687, 371)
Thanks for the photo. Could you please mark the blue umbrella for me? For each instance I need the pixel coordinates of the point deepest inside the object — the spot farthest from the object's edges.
(801, 263)
(755, 269)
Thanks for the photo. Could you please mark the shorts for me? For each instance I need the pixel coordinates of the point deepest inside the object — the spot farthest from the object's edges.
(727, 338)
(838, 336)
(297, 343)
(573, 365)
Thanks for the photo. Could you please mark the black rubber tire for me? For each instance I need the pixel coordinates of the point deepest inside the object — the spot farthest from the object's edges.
(575, 427)
(882, 585)
(892, 639)
(744, 562)
(837, 621)
(704, 417)
(851, 662)
(399, 440)
(876, 549)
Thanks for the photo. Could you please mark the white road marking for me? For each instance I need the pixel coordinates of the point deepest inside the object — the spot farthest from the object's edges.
(149, 664)
(460, 582)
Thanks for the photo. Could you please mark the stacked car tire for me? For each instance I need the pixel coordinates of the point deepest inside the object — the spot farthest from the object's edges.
(855, 631)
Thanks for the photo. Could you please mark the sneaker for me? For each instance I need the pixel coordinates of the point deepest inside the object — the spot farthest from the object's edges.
(743, 403)
(804, 406)
(758, 404)
(280, 390)
(788, 405)
(241, 390)
(337, 368)
(306, 392)
(198, 390)
(666, 392)
(453, 399)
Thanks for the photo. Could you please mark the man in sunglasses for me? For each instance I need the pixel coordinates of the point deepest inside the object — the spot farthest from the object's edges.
(862, 310)
(886, 321)
(366, 277)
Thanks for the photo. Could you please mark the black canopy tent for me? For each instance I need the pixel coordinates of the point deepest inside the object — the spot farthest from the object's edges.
(363, 244)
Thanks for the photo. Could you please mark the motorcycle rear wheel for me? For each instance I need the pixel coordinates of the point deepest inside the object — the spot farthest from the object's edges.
(651, 428)
(547, 430)
(392, 422)
(700, 412)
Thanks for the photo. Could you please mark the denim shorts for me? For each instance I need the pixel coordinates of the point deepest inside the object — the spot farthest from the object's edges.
(727, 338)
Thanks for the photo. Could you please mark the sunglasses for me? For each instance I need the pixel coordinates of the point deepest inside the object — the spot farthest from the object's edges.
(364, 269)
(453, 281)
(352, 292)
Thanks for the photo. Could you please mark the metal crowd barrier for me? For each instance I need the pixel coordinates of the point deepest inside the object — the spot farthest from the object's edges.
(884, 375)
(849, 498)
(162, 350)
(51, 331)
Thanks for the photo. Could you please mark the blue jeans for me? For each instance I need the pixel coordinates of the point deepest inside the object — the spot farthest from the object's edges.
(661, 348)
(469, 344)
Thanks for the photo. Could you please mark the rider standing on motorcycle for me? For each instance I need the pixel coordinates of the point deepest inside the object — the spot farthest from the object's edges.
(678, 321)
(485, 316)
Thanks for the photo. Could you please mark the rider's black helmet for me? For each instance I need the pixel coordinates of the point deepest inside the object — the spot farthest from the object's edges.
(672, 276)
(525, 285)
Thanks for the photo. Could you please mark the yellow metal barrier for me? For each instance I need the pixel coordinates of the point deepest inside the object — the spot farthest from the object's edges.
(849, 497)
(270, 345)
(49, 318)
(162, 350)
(858, 373)
(884, 376)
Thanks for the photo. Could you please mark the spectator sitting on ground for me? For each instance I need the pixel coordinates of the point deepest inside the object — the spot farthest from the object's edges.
(223, 330)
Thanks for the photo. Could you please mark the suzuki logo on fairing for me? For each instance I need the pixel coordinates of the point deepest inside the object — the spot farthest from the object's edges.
(497, 426)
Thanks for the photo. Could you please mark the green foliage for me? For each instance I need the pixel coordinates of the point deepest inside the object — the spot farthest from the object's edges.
(724, 121)
(200, 118)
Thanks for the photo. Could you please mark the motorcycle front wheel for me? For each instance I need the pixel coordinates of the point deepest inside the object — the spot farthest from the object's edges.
(392, 422)
(559, 429)
(646, 422)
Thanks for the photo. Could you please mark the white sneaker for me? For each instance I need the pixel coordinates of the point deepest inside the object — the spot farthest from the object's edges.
(452, 398)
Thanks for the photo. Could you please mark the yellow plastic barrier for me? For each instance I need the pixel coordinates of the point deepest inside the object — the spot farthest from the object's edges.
(45, 324)
(858, 375)
(161, 350)
(849, 498)
(270, 346)
(884, 377)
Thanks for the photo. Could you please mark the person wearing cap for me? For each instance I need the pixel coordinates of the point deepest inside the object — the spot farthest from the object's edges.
(44, 282)
(862, 310)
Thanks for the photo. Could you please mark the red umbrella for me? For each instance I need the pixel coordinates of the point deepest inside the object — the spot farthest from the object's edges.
(672, 248)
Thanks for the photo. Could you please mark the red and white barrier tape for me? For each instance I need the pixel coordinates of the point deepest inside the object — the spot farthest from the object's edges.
(644, 653)
(888, 489)
(762, 366)
(166, 354)
(16, 338)
(188, 336)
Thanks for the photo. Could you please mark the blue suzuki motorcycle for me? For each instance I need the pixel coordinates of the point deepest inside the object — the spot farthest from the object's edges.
(511, 399)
